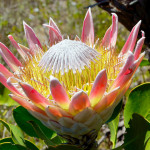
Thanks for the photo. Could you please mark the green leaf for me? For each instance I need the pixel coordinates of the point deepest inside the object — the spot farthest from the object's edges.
(16, 133)
(4, 97)
(28, 144)
(9, 146)
(58, 140)
(5, 124)
(145, 62)
(138, 102)
(147, 145)
(116, 112)
(138, 133)
(63, 147)
(41, 134)
(113, 126)
(8, 140)
(22, 118)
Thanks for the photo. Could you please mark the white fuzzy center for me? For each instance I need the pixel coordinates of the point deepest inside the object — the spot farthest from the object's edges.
(68, 55)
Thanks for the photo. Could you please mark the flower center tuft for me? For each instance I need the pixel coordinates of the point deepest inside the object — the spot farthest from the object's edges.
(74, 63)
(68, 55)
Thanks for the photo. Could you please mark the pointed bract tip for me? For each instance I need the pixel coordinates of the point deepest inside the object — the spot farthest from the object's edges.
(143, 33)
(22, 84)
(52, 78)
(9, 36)
(45, 25)
(139, 23)
(103, 70)
(78, 93)
(115, 17)
(50, 19)
(88, 12)
(89, 9)
(143, 53)
(24, 23)
(81, 92)
(130, 52)
(114, 14)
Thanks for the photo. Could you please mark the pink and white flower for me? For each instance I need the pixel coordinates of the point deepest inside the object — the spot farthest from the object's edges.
(74, 86)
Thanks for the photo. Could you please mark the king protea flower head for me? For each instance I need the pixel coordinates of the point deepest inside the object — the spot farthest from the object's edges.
(73, 86)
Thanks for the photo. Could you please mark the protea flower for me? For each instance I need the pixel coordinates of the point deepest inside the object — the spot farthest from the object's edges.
(74, 86)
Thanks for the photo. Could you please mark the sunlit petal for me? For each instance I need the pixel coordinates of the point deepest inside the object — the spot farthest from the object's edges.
(107, 100)
(79, 102)
(34, 95)
(15, 44)
(9, 58)
(130, 43)
(58, 93)
(8, 85)
(98, 88)
(26, 104)
(114, 30)
(5, 71)
(54, 35)
(110, 36)
(88, 29)
(32, 39)
(138, 48)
